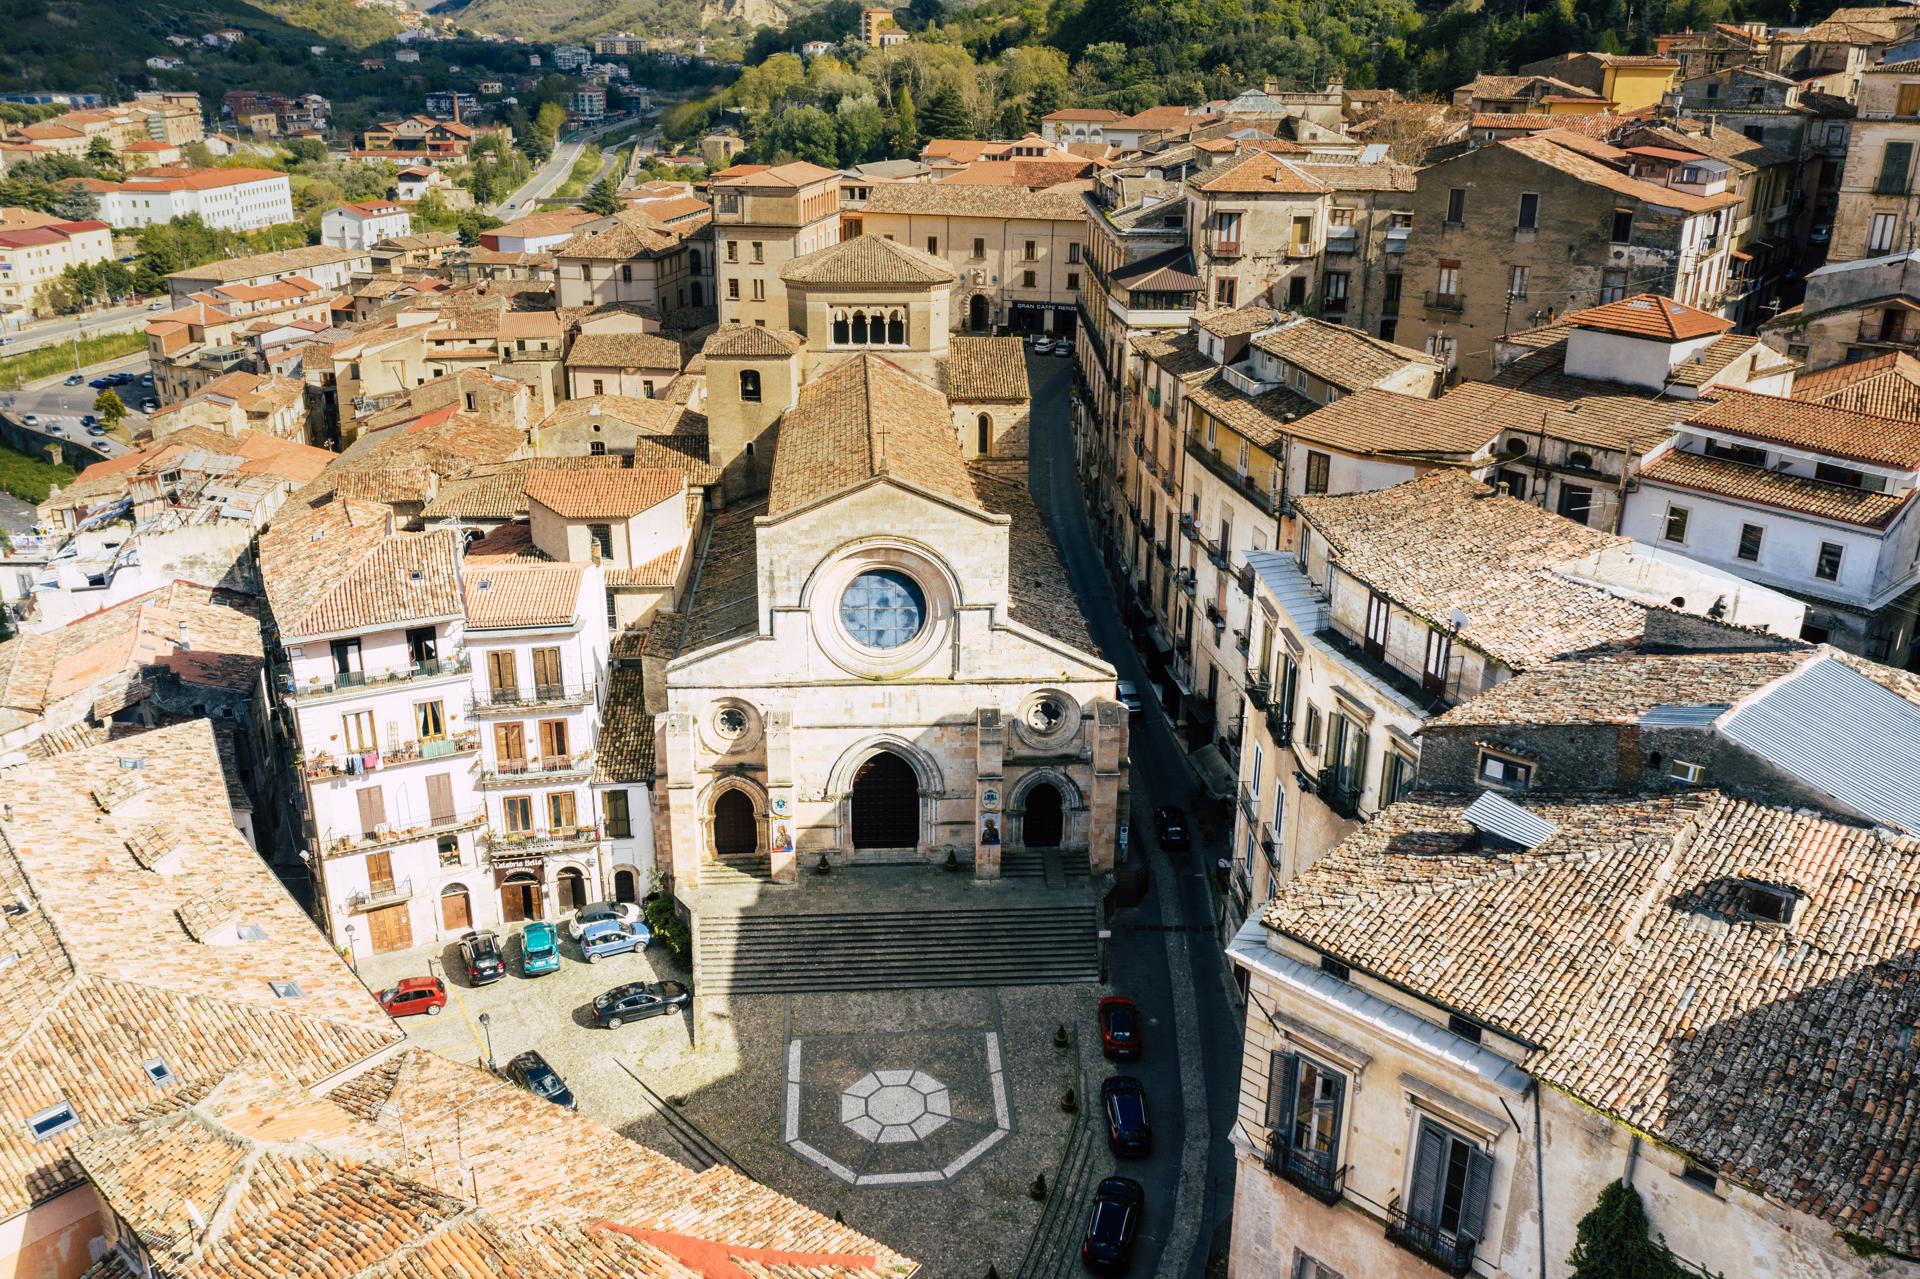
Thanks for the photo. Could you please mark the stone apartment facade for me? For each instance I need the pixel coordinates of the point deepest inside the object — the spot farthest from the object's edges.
(1874, 216)
(763, 218)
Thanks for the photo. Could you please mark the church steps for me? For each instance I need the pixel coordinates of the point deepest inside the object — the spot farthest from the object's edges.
(897, 950)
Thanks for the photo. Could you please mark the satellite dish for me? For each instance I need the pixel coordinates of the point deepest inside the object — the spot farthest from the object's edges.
(1458, 619)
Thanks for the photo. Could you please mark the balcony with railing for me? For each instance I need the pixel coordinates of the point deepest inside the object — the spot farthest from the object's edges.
(1437, 1247)
(1263, 498)
(1446, 301)
(503, 847)
(356, 681)
(1187, 529)
(1222, 247)
(1242, 380)
(1279, 726)
(1259, 692)
(1249, 804)
(326, 764)
(1342, 796)
(1314, 1173)
(382, 892)
(388, 834)
(1184, 580)
(510, 701)
(515, 770)
(1342, 239)
(1301, 248)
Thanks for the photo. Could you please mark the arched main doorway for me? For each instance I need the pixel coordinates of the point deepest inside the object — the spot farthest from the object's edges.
(735, 830)
(978, 313)
(886, 803)
(572, 885)
(520, 897)
(1044, 821)
(626, 885)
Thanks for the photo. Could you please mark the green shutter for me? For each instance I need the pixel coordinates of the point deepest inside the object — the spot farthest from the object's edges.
(1429, 1173)
(1283, 1081)
(1473, 1206)
(1894, 162)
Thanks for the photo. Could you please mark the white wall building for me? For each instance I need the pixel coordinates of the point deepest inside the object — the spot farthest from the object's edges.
(226, 199)
(361, 226)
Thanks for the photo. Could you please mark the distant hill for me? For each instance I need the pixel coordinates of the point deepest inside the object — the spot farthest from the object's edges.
(583, 19)
(102, 45)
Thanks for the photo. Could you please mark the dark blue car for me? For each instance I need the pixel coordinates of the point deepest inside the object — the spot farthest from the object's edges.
(1114, 1226)
(1125, 1100)
(531, 1071)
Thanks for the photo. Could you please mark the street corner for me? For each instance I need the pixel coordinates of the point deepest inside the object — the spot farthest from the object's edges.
(896, 1109)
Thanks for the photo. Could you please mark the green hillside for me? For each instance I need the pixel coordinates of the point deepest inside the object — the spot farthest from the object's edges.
(583, 19)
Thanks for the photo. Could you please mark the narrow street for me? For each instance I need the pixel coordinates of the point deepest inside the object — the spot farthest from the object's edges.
(1164, 951)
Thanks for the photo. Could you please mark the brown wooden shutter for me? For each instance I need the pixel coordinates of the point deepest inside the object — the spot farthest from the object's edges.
(380, 870)
(502, 676)
(510, 741)
(553, 737)
(546, 671)
(440, 798)
(373, 808)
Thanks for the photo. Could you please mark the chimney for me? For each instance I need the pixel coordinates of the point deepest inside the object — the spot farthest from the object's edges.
(1272, 85)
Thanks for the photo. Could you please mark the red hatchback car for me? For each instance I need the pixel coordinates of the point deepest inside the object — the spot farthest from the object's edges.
(414, 995)
(1119, 1028)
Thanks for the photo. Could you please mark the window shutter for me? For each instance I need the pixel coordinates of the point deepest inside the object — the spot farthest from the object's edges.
(373, 809)
(1429, 1166)
(440, 798)
(1357, 775)
(1283, 1080)
(1337, 1085)
(1473, 1207)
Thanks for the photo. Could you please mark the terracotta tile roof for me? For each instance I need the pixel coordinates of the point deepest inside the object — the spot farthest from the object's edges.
(965, 200)
(867, 259)
(1712, 360)
(498, 490)
(795, 173)
(662, 570)
(1620, 950)
(627, 234)
(231, 270)
(1757, 484)
(616, 493)
(626, 743)
(337, 568)
(1619, 686)
(1263, 419)
(1887, 385)
(1238, 322)
(861, 420)
(748, 341)
(1489, 557)
(726, 603)
(363, 1183)
(986, 369)
(1257, 173)
(1573, 155)
(1372, 421)
(1042, 595)
(510, 543)
(536, 225)
(1178, 354)
(1346, 357)
(1535, 394)
(1648, 315)
(1863, 437)
(625, 350)
(89, 1005)
(1351, 175)
(503, 597)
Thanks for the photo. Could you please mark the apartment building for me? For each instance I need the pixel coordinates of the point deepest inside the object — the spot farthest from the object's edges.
(328, 267)
(625, 361)
(226, 199)
(633, 258)
(1854, 310)
(238, 403)
(1874, 216)
(1625, 82)
(36, 249)
(1020, 255)
(363, 225)
(1806, 497)
(218, 331)
(1452, 1075)
(1078, 124)
(1513, 235)
(1256, 226)
(763, 218)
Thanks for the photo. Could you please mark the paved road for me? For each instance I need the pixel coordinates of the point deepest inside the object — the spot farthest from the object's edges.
(52, 401)
(52, 332)
(1164, 951)
(551, 174)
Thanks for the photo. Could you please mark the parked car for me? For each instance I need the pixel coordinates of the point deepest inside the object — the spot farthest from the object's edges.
(1821, 233)
(1120, 1028)
(54, 428)
(1170, 826)
(481, 952)
(120, 379)
(639, 1000)
(1063, 347)
(1129, 696)
(531, 1071)
(146, 379)
(96, 429)
(74, 379)
(158, 304)
(412, 996)
(101, 383)
(1042, 345)
(608, 938)
(539, 949)
(149, 404)
(1114, 1226)
(88, 419)
(31, 419)
(626, 914)
(1124, 1098)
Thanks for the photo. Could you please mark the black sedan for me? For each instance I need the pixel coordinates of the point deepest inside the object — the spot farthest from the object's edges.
(1114, 1226)
(531, 1071)
(637, 1001)
(1124, 1098)
(1170, 827)
(481, 953)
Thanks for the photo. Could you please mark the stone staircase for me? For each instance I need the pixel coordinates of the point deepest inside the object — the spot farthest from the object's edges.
(1012, 944)
(1050, 864)
(737, 871)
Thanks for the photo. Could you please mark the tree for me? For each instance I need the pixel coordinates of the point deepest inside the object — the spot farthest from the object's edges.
(1048, 96)
(472, 223)
(74, 204)
(100, 155)
(547, 122)
(308, 150)
(906, 134)
(1613, 1241)
(602, 198)
(947, 114)
(110, 408)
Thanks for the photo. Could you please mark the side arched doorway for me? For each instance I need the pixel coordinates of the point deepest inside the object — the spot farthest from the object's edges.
(885, 803)
(735, 829)
(456, 909)
(626, 885)
(979, 313)
(1043, 823)
(572, 885)
(520, 897)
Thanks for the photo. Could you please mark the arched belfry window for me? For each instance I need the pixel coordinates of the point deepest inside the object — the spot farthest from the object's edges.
(897, 329)
(842, 328)
(750, 385)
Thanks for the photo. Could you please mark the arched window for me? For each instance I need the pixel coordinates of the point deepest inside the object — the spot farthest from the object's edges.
(841, 329)
(897, 329)
(1515, 447)
(693, 261)
(699, 294)
(859, 328)
(986, 435)
(750, 386)
(1582, 460)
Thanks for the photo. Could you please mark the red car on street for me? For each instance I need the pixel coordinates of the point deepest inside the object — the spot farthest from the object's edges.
(1119, 1028)
(414, 995)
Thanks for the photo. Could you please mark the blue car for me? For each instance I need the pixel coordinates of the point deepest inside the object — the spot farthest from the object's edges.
(608, 938)
(539, 949)
(1125, 1101)
(101, 383)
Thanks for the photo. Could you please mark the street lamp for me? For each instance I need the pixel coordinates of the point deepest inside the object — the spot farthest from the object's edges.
(486, 1024)
(353, 960)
